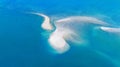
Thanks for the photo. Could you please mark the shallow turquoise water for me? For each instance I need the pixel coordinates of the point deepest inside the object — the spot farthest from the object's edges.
(22, 43)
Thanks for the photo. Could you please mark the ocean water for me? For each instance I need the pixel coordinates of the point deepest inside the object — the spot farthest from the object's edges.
(24, 43)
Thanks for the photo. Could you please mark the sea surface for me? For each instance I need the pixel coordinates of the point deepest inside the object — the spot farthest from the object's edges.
(24, 43)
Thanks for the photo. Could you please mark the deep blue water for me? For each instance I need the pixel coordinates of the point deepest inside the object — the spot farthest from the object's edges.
(23, 45)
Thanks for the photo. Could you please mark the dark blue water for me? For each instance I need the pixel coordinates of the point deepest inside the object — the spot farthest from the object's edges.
(23, 45)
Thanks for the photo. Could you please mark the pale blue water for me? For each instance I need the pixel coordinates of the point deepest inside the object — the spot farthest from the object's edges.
(22, 44)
